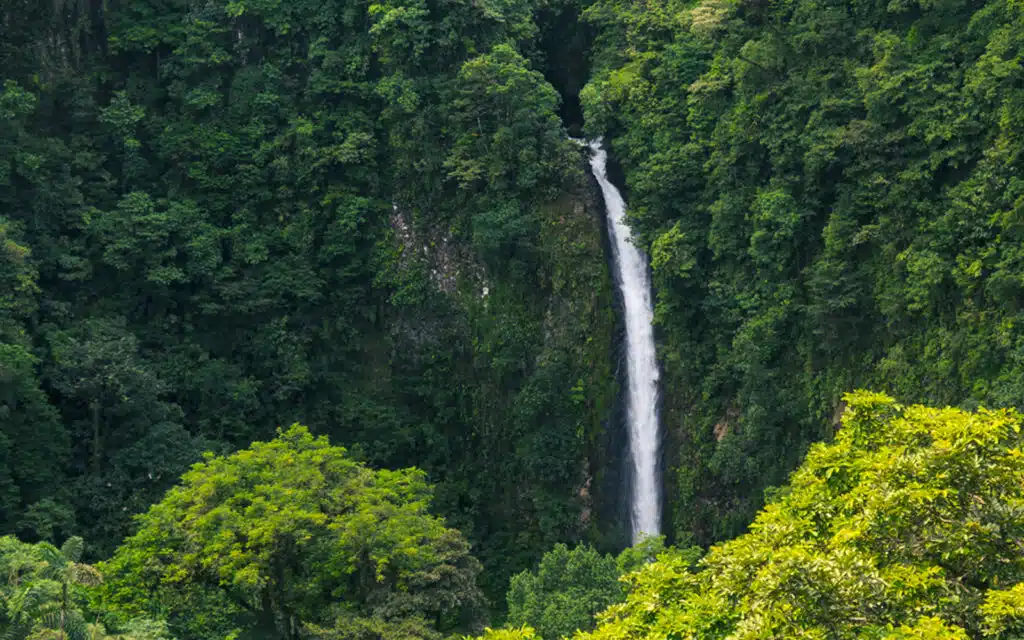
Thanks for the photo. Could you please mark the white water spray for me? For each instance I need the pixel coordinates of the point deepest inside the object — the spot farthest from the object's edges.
(642, 374)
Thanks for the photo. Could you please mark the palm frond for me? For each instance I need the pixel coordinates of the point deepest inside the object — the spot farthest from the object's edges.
(72, 627)
(72, 548)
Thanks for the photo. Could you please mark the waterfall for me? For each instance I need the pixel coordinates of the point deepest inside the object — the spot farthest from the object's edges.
(632, 278)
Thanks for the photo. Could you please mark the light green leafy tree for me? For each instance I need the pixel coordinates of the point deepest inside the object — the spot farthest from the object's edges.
(909, 525)
(521, 633)
(292, 537)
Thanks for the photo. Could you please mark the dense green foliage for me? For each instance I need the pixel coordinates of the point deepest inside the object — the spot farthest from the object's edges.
(293, 533)
(570, 586)
(43, 595)
(907, 526)
(217, 218)
(831, 195)
(565, 592)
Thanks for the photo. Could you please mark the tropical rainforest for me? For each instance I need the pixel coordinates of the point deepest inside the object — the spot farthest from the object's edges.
(308, 330)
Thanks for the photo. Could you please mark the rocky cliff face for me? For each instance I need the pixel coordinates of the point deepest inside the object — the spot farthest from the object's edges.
(518, 381)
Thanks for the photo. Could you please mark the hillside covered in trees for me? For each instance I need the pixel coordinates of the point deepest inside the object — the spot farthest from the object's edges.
(222, 217)
(831, 193)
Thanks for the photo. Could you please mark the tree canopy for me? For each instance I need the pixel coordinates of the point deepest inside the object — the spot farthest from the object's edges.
(570, 586)
(908, 525)
(219, 217)
(44, 595)
(291, 535)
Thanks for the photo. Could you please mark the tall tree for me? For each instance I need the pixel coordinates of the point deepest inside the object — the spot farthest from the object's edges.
(291, 533)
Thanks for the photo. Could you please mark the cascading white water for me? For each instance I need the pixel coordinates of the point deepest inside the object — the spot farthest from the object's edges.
(642, 374)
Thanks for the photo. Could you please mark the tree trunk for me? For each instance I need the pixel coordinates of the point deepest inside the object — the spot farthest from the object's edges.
(97, 446)
(272, 620)
(63, 608)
